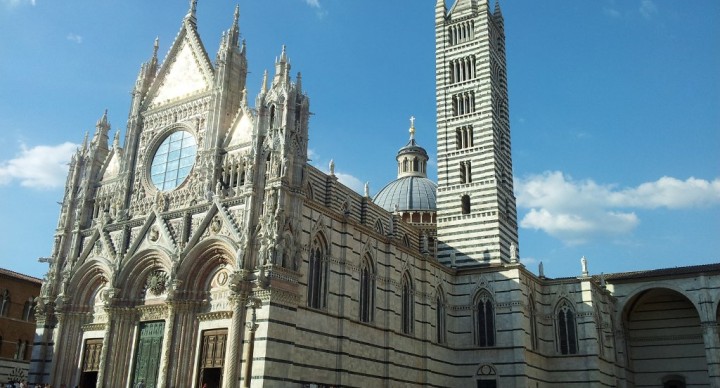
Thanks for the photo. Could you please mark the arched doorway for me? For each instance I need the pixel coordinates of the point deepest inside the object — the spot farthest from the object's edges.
(664, 340)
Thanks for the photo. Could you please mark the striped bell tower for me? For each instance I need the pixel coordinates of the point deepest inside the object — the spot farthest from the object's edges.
(476, 215)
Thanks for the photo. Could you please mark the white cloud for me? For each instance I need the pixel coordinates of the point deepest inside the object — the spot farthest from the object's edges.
(74, 38)
(313, 3)
(350, 181)
(16, 3)
(648, 9)
(39, 167)
(577, 211)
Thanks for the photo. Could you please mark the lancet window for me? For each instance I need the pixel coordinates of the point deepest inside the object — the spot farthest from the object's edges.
(465, 172)
(407, 305)
(367, 290)
(566, 329)
(317, 275)
(440, 317)
(485, 318)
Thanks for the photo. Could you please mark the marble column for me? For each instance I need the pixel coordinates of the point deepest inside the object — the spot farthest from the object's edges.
(235, 337)
(167, 344)
(104, 351)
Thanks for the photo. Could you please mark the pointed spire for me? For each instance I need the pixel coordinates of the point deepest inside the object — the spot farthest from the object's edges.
(497, 11)
(263, 88)
(116, 140)
(102, 122)
(283, 55)
(282, 68)
(192, 11)
(298, 83)
(156, 46)
(243, 47)
(85, 141)
(234, 31)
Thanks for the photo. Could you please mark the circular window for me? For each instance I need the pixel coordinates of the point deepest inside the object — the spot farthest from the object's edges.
(173, 160)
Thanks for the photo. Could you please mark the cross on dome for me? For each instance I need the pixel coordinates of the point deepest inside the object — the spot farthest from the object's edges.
(412, 127)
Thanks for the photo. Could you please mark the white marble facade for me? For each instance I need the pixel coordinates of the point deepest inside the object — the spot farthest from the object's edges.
(206, 249)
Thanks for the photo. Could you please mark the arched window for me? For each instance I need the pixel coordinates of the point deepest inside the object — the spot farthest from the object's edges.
(367, 290)
(317, 275)
(440, 316)
(28, 310)
(566, 330)
(533, 324)
(465, 204)
(5, 303)
(485, 320)
(379, 227)
(272, 116)
(406, 313)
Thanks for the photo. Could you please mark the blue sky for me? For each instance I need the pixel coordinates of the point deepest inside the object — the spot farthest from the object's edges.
(614, 106)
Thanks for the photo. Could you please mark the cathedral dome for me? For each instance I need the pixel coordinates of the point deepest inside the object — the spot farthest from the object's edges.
(408, 193)
(412, 190)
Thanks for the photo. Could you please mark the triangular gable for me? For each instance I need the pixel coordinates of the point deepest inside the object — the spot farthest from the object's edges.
(217, 222)
(463, 8)
(153, 233)
(185, 71)
(112, 165)
(241, 130)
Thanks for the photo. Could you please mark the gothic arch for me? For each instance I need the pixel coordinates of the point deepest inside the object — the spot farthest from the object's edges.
(133, 274)
(204, 261)
(566, 330)
(89, 279)
(484, 317)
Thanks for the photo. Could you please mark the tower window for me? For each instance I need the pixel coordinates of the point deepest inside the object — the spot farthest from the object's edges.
(465, 204)
(465, 172)
(463, 103)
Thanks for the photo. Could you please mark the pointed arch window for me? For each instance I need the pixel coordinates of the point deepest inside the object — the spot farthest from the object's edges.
(599, 327)
(367, 290)
(317, 275)
(566, 329)
(440, 317)
(533, 325)
(28, 310)
(485, 320)
(406, 313)
(5, 303)
(272, 116)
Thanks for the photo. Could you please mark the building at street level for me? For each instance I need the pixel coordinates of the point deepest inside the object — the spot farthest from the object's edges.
(204, 249)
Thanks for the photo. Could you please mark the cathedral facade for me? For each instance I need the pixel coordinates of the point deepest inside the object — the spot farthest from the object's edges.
(206, 250)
